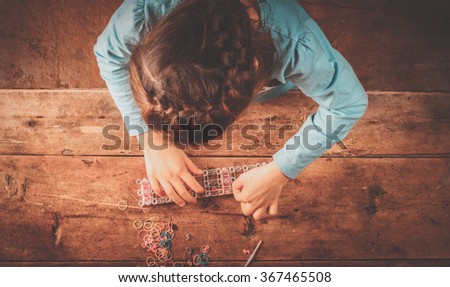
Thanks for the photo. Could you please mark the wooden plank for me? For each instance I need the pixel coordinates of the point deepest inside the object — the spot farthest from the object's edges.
(256, 263)
(392, 45)
(46, 46)
(338, 209)
(61, 122)
(388, 42)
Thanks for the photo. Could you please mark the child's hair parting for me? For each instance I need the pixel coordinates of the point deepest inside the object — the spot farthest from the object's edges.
(194, 71)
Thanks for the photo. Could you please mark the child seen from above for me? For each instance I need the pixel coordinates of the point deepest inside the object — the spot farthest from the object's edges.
(182, 71)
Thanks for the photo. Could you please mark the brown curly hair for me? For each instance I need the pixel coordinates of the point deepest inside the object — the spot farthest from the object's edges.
(194, 72)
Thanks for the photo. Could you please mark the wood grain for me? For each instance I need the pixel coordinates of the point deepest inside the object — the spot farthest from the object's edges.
(379, 198)
(392, 45)
(71, 122)
(256, 263)
(338, 209)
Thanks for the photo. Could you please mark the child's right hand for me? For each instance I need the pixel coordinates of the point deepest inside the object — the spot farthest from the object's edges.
(170, 169)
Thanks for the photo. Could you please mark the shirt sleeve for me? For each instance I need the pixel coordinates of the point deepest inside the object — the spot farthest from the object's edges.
(323, 74)
(113, 51)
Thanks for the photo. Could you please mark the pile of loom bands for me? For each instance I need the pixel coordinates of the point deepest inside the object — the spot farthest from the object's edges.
(201, 259)
(156, 238)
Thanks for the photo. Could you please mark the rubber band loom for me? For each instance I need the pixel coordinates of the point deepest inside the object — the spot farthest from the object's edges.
(215, 181)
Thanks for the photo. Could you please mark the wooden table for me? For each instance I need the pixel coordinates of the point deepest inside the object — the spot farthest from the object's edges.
(380, 199)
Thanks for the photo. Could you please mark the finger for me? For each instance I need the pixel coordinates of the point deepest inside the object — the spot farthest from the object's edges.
(260, 213)
(154, 184)
(182, 191)
(243, 207)
(192, 167)
(273, 208)
(248, 209)
(237, 188)
(192, 182)
(172, 194)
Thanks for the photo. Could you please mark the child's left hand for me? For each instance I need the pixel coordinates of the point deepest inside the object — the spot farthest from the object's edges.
(259, 189)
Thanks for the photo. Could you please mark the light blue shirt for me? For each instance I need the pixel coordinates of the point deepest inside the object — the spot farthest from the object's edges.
(304, 59)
